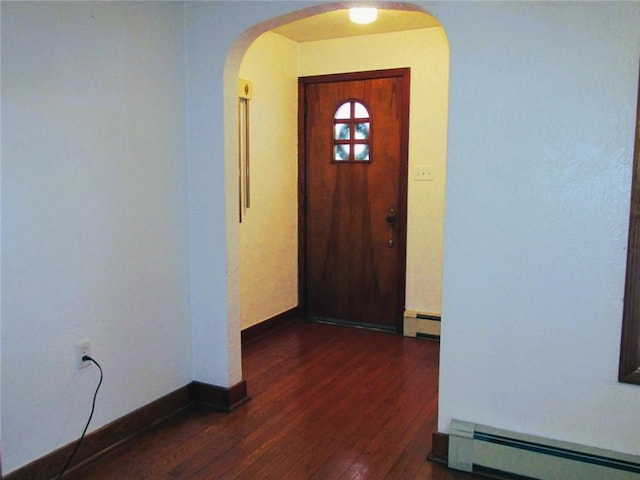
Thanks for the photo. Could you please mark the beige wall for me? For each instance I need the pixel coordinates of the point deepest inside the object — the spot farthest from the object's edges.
(427, 53)
(268, 236)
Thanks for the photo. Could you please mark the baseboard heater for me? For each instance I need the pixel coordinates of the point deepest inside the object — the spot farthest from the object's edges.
(421, 324)
(479, 448)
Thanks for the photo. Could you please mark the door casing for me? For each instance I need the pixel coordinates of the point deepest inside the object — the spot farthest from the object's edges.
(404, 74)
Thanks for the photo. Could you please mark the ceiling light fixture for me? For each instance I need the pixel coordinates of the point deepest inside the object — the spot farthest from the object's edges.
(363, 15)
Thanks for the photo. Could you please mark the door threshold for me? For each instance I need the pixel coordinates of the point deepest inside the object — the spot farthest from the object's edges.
(361, 325)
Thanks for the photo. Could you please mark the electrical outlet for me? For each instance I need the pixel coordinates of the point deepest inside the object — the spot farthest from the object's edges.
(82, 349)
(424, 173)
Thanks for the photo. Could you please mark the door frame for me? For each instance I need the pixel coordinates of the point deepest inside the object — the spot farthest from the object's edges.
(405, 75)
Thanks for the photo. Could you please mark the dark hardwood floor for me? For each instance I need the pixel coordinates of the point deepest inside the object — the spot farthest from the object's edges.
(328, 402)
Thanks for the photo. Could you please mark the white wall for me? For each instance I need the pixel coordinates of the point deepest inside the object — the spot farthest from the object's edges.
(268, 234)
(426, 52)
(541, 122)
(94, 217)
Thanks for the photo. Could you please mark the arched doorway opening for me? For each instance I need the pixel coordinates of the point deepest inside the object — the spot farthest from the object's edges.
(265, 244)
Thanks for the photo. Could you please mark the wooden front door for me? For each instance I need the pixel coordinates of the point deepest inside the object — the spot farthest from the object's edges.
(353, 171)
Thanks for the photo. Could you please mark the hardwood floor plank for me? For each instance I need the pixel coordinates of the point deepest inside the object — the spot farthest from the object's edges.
(328, 402)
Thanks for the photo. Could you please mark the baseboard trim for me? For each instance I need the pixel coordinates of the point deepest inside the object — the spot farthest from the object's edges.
(220, 398)
(129, 426)
(272, 324)
(439, 448)
(106, 438)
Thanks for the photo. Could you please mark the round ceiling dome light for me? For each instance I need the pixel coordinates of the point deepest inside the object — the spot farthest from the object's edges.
(363, 15)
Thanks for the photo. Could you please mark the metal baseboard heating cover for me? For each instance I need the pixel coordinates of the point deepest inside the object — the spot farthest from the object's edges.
(474, 447)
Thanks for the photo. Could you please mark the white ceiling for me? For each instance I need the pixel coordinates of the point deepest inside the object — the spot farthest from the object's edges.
(336, 24)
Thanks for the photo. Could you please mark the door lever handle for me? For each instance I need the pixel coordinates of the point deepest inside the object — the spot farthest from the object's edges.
(391, 219)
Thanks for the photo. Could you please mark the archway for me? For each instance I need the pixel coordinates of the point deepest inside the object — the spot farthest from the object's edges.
(429, 120)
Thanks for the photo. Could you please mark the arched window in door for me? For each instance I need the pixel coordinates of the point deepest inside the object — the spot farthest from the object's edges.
(351, 133)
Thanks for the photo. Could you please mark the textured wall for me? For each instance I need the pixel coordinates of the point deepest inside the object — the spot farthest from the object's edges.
(94, 217)
(268, 249)
(540, 141)
(541, 125)
(426, 52)
(541, 117)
